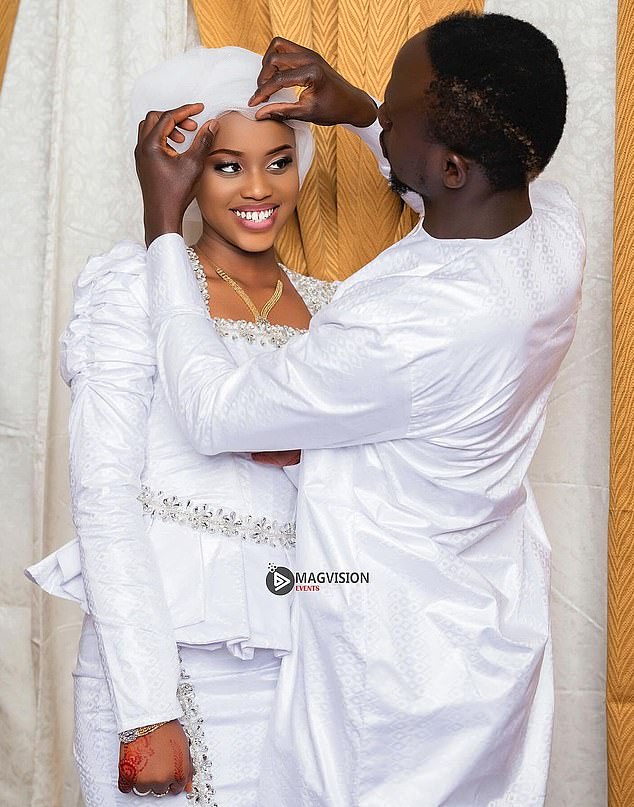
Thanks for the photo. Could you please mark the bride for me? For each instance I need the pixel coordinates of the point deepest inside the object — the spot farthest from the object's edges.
(182, 639)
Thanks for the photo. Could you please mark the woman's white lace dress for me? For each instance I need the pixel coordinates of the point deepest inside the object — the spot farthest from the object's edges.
(172, 550)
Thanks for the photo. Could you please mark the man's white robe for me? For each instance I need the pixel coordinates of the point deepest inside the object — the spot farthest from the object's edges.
(418, 397)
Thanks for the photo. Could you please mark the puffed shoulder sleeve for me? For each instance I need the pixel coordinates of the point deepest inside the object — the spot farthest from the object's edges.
(108, 358)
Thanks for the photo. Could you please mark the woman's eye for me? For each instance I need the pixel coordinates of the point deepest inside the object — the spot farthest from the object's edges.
(282, 163)
(228, 168)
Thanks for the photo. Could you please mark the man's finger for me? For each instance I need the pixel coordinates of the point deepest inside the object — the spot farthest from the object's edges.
(298, 77)
(296, 111)
(280, 45)
(281, 63)
(204, 140)
(147, 124)
(172, 118)
(188, 124)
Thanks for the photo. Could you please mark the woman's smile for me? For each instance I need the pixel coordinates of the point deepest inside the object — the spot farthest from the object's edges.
(256, 217)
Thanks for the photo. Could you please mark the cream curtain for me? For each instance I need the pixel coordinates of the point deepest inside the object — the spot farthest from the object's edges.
(69, 191)
(570, 473)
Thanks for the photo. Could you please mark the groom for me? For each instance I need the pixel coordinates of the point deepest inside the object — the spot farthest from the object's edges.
(418, 398)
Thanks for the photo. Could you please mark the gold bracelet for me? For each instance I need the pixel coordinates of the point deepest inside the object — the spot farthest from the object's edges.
(131, 735)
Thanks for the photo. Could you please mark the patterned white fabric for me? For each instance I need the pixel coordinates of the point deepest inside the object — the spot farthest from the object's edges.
(150, 583)
(83, 173)
(233, 696)
(429, 373)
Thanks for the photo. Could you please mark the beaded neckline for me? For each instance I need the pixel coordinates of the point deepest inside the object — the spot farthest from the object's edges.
(225, 323)
(315, 294)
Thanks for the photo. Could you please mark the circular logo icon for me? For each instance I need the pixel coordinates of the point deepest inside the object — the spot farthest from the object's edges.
(280, 580)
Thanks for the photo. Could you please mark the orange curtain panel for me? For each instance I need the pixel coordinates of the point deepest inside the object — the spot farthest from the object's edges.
(8, 13)
(620, 682)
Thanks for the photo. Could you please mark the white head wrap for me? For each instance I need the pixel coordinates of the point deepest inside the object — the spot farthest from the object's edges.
(223, 79)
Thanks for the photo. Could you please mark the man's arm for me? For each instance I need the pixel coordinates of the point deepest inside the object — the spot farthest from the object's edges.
(343, 383)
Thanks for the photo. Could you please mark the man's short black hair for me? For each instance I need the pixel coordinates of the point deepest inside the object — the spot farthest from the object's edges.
(499, 94)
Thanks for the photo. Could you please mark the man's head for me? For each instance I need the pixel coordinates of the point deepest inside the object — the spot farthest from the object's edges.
(479, 94)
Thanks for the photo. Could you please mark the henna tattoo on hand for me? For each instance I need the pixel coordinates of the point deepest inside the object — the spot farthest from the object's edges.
(135, 756)
(179, 761)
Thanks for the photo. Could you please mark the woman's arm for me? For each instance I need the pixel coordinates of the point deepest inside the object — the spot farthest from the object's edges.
(108, 359)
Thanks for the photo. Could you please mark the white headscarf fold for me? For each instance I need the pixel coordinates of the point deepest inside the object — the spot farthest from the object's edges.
(223, 79)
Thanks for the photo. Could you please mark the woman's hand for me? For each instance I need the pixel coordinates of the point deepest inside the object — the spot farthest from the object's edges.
(327, 98)
(169, 179)
(279, 458)
(157, 763)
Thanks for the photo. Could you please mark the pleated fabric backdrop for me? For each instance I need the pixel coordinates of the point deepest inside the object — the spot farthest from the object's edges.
(620, 692)
(69, 191)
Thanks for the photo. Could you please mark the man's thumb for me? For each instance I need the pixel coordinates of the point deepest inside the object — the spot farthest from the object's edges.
(205, 137)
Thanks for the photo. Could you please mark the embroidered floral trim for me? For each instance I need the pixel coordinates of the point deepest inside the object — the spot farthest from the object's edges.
(226, 522)
(203, 790)
(315, 294)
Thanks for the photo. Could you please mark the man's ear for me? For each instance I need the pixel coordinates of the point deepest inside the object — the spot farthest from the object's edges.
(455, 170)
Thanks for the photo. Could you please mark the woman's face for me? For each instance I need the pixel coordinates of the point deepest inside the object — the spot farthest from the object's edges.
(250, 183)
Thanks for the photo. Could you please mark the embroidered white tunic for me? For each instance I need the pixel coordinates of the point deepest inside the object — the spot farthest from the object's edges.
(150, 570)
(419, 396)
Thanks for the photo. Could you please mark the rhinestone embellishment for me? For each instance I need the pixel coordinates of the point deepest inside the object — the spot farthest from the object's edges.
(253, 332)
(315, 294)
(226, 522)
(203, 790)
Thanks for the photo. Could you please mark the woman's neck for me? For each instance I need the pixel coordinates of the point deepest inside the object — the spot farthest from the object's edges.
(248, 268)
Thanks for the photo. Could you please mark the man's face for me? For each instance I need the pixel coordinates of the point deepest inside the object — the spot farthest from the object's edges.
(402, 118)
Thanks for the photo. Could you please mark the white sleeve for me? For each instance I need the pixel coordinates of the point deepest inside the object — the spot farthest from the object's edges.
(342, 383)
(108, 358)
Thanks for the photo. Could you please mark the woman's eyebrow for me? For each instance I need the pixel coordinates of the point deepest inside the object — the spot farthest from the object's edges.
(240, 153)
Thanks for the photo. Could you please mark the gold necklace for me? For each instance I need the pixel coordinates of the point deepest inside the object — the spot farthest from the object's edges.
(258, 316)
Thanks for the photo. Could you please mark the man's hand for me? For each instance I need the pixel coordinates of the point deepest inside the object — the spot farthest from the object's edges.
(279, 458)
(169, 179)
(157, 763)
(327, 97)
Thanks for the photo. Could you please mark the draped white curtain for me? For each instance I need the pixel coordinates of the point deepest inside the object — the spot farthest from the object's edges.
(570, 474)
(68, 190)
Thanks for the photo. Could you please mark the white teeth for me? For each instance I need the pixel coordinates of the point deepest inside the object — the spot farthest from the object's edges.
(255, 215)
